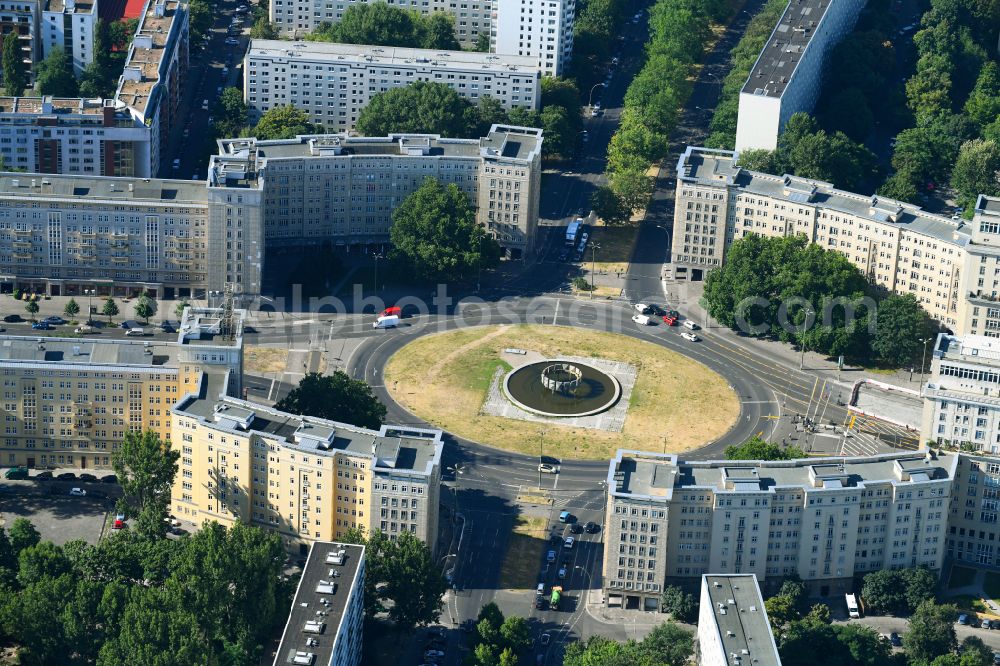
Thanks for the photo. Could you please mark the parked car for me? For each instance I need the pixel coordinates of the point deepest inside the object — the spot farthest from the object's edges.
(119, 523)
(544, 639)
(641, 308)
(963, 619)
(13, 319)
(550, 556)
(539, 601)
(83, 330)
(44, 476)
(77, 492)
(986, 624)
(576, 528)
(592, 528)
(110, 478)
(66, 476)
(40, 326)
(568, 543)
(565, 517)
(88, 477)
(562, 572)
(895, 639)
(54, 320)
(177, 531)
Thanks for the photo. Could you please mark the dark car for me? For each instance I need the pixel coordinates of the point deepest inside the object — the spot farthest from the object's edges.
(576, 528)
(178, 531)
(41, 326)
(66, 476)
(99, 494)
(167, 327)
(110, 478)
(539, 601)
(44, 476)
(55, 320)
(895, 639)
(592, 528)
(657, 310)
(13, 319)
(88, 477)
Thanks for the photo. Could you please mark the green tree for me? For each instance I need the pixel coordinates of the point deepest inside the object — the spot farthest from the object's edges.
(145, 306)
(200, 18)
(900, 325)
(668, 644)
(34, 612)
(43, 560)
(426, 107)
(72, 308)
(230, 113)
(977, 171)
(848, 112)
(437, 31)
(435, 234)
(601, 651)
(515, 634)
(489, 112)
(983, 104)
(609, 207)
(756, 448)
(681, 605)
(374, 23)
(975, 652)
(31, 307)
(145, 468)
(560, 132)
(864, 645)
(15, 75)
(931, 631)
(109, 309)
(55, 75)
(921, 585)
(22, 535)
(781, 611)
(180, 307)
(263, 29)
(634, 188)
(336, 397)
(483, 42)
(284, 122)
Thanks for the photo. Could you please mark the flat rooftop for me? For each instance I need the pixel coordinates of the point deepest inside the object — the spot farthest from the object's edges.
(988, 205)
(41, 186)
(149, 47)
(87, 351)
(977, 349)
(59, 107)
(777, 61)
(707, 166)
(895, 405)
(64, 7)
(634, 473)
(319, 604)
(390, 55)
(740, 618)
(395, 448)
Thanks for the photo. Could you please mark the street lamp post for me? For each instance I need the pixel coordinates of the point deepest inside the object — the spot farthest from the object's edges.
(923, 358)
(802, 342)
(541, 436)
(90, 305)
(590, 99)
(377, 256)
(594, 247)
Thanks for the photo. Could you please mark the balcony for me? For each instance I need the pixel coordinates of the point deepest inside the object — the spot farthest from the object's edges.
(22, 232)
(26, 244)
(119, 260)
(119, 234)
(87, 234)
(20, 254)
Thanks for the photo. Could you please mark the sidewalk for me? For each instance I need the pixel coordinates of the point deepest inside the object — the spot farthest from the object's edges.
(55, 305)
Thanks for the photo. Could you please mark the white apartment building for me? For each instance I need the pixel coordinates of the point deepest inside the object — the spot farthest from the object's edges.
(333, 82)
(822, 519)
(973, 531)
(979, 307)
(68, 25)
(22, 19)
(69, 235)
(788, 75)
(343, 189)
(962, 397)
(295, 18)
(895, 244)
(538, 29)
(732, 620)
(326, 621)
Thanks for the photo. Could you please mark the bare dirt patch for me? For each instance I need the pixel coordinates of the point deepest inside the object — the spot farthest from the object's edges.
(677, 404)
(260, 360)
(524, 552)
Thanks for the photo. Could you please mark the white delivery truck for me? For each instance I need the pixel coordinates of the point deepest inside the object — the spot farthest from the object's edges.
(390, 321)
(852, 606)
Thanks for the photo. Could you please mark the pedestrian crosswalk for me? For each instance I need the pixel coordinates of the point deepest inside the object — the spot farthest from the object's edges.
(867, 436)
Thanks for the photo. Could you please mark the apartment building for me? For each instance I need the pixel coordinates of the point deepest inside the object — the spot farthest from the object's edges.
(732, 620)
(822, 519)
(538, 29)
(979, 307)
(895, 244)
(304, 478)
(962, 396)
(343, 189)
(68, 25)
(788, 75)
(973, 534)
(76, 236)
(295, 18)
(22, 18)
(326, 621)
(333, 82)
(68, 402)
(155, 74)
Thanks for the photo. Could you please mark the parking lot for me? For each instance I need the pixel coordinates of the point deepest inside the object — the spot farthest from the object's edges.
(58, 518)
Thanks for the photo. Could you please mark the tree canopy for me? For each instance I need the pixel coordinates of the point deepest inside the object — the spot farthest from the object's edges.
(495, 636)
(230, 114)
(145, 467)
(15, 73)
(336, 397)
(898, 590)
(931, 632)
(756, 448)
(422, 107)
(55, 75)
(666, 645)
(283, 122)
(435, 235)
(381, 24)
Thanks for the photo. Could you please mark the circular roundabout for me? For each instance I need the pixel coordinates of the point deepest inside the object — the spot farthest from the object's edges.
(560, 391)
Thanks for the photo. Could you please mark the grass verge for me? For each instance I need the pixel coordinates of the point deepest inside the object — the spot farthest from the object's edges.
(676, 403)
(519, 570)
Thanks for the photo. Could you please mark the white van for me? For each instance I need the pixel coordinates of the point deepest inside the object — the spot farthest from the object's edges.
(690, 325)
(391, 321)
(135, 332)
(642, 320)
